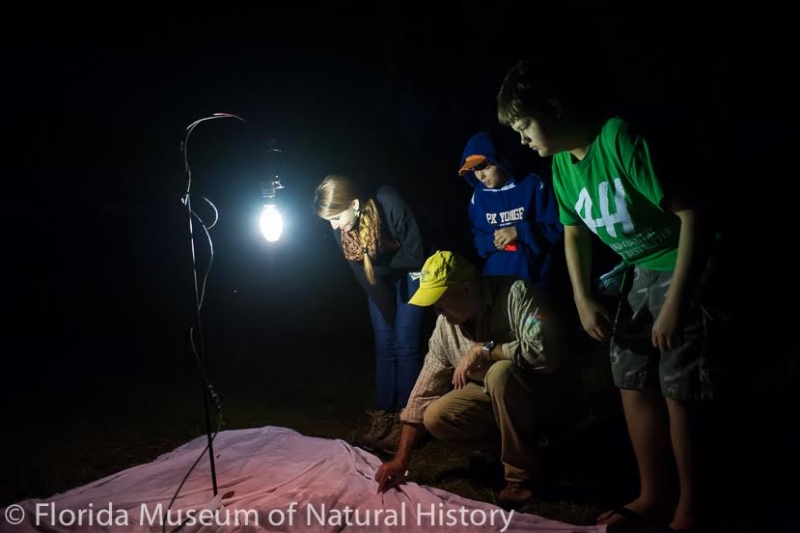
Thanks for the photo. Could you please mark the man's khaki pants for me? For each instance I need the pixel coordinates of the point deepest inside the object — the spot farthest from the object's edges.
(510, 407)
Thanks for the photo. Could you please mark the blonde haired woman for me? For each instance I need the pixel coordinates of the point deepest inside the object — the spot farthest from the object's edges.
(383, 244)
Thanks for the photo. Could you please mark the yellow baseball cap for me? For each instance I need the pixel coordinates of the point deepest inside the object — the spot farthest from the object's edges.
(440, 271)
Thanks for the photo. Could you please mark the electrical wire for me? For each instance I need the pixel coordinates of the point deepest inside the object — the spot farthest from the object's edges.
(199, 296)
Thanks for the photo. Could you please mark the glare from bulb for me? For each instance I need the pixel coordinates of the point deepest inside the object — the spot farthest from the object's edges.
(271, 223)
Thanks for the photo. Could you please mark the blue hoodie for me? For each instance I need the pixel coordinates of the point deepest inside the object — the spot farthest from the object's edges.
(527, 203)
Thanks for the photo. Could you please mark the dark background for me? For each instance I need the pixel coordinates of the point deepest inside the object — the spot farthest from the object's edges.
(97, 260)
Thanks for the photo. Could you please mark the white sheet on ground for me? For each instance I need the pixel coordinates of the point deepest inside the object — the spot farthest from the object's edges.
(281, 481)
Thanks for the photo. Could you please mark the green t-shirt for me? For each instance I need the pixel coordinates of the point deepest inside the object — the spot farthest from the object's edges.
(615, 192)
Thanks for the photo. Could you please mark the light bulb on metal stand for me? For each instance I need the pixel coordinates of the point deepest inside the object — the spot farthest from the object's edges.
(271, 222)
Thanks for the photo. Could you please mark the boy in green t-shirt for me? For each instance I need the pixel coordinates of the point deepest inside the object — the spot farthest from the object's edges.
(606, 182)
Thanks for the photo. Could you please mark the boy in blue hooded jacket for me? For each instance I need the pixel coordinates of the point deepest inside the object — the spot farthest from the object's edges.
(514, 220)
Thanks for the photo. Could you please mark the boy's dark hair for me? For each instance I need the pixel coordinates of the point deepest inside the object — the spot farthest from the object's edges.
(523, 93)
(519, 96)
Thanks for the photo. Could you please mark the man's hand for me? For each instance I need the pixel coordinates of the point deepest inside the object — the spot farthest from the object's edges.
(504, 236)
(472, 360)
(666, 329)
(391, 474)
(595, 319)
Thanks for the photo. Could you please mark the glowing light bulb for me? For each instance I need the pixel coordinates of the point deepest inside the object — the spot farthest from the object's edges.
(271, 223)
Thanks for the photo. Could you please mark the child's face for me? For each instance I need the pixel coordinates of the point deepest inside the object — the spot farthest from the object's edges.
(491, 176)
(533, 135)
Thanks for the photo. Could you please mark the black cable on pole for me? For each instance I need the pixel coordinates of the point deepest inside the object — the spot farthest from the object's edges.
(198, 348)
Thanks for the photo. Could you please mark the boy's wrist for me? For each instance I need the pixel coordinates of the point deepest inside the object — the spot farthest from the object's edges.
(582, 299)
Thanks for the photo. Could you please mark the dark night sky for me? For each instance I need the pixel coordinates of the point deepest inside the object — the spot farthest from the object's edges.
(97, 251)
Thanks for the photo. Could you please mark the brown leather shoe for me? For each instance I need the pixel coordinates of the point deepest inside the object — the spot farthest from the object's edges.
(381, 423)
(515, 493)
(391, 441)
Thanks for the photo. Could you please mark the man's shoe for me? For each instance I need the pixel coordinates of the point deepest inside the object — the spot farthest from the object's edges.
(381, 423)
(391, 441)
(515, 493)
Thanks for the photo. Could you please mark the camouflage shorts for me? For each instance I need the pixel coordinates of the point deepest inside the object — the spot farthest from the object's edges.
(682, 373)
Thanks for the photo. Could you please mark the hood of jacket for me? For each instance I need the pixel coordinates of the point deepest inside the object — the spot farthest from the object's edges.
(482, 144)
